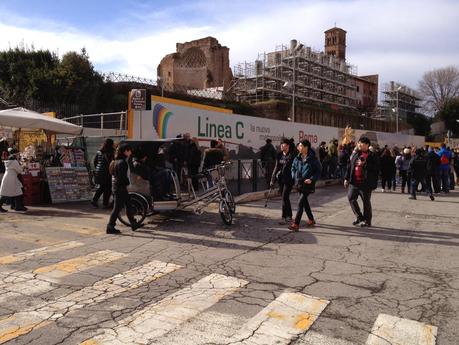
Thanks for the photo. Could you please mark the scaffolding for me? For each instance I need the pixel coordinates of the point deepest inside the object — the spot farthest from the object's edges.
(299, 74)
(400, 99)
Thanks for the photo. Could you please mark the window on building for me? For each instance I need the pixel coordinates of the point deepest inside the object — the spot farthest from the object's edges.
(169, 73)
(358, 88)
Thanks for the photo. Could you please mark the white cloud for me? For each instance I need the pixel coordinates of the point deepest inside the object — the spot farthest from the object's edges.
(398, 40)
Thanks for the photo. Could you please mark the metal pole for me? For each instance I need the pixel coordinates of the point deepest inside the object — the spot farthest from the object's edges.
(293, 90)
(239, 173)
(396, 119)
(121, 121)
(101, 124)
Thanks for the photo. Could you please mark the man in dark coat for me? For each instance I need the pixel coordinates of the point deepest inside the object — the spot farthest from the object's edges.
(362, 178)
(418, 170)
(268, 156)
(433, 166)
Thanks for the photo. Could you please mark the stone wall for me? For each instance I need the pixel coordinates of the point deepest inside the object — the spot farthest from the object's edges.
(198, 64)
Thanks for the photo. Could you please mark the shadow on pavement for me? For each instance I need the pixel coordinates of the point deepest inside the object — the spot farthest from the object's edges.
(397, 235)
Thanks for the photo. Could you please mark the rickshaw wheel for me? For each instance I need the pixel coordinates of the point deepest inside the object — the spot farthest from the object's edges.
(230, 200)
(138, 208)
(149, 205)
(225, 212)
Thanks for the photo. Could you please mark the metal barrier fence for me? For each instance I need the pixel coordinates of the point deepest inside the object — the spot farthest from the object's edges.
(245, 176)
(116, 120)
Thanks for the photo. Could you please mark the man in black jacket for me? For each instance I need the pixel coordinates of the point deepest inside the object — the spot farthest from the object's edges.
(268, 156)
(119, 169)
(418, 170)
(433, 165)
(362, 178)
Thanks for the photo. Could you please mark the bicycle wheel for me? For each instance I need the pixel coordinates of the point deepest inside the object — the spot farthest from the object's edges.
(225, 212)
(138, 209)
(230, 200)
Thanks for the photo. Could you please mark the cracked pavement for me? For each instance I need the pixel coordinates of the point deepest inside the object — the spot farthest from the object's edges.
(63, 281)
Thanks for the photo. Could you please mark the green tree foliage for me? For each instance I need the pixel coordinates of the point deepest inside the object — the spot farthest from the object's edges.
(39, 80)
(27, 75)
(420, 123)
(450, 115)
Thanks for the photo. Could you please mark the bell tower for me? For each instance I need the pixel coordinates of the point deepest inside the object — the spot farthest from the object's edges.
(335, 43)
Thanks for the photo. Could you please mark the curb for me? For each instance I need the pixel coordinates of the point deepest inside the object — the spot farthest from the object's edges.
(263, 194)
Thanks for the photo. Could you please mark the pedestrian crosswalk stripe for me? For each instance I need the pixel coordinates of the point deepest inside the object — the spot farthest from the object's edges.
(392, 330)
(284, 319)
(161, 317)
(16, 284)
(25, 321)
(15, 332)
(17, 257)
(78, 264)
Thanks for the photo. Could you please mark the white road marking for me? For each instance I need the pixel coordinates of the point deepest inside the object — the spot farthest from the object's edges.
(25, 321)
(17, 257)
(159, 318)
(17, 284)
(284, 319)
(392, 330)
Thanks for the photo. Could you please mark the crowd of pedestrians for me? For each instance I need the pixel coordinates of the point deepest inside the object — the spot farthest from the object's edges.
(361, 168)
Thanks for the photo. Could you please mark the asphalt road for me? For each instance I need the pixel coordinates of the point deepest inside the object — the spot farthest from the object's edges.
(188, 279)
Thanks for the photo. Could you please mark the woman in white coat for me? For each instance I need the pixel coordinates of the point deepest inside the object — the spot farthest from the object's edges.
(11, 187)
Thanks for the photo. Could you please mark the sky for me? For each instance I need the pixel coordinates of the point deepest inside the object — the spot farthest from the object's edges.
(399, 40)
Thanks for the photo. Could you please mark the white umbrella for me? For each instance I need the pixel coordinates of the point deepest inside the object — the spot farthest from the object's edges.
(23, 118)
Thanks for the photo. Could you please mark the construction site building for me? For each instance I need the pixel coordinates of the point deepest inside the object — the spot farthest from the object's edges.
(299, 74)
(400, 100)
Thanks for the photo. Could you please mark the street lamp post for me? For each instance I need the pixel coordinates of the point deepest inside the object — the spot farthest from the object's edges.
(397, 114)
(293, 87)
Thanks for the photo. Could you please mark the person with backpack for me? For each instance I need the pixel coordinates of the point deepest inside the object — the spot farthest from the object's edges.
(445, 161)
(283, 174)
(418, 170)
(103, 179)
(361, 179)
(306, 170)
(120, 171)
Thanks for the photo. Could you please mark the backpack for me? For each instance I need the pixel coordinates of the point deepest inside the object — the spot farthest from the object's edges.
(444, 159)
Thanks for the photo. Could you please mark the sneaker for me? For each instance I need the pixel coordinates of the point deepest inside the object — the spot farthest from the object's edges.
(412, 198)
(22, 209)
(311, 223)
(432, 197)
(383, 190)
(294, 227)
(112, 231)
(357, 221)
(365, 224)
(2, 210)
(94, 204)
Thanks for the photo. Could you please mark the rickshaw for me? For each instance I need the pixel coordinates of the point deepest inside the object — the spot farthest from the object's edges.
(213, 188)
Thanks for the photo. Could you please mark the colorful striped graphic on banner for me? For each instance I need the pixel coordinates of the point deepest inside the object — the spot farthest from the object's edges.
(161, 116)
